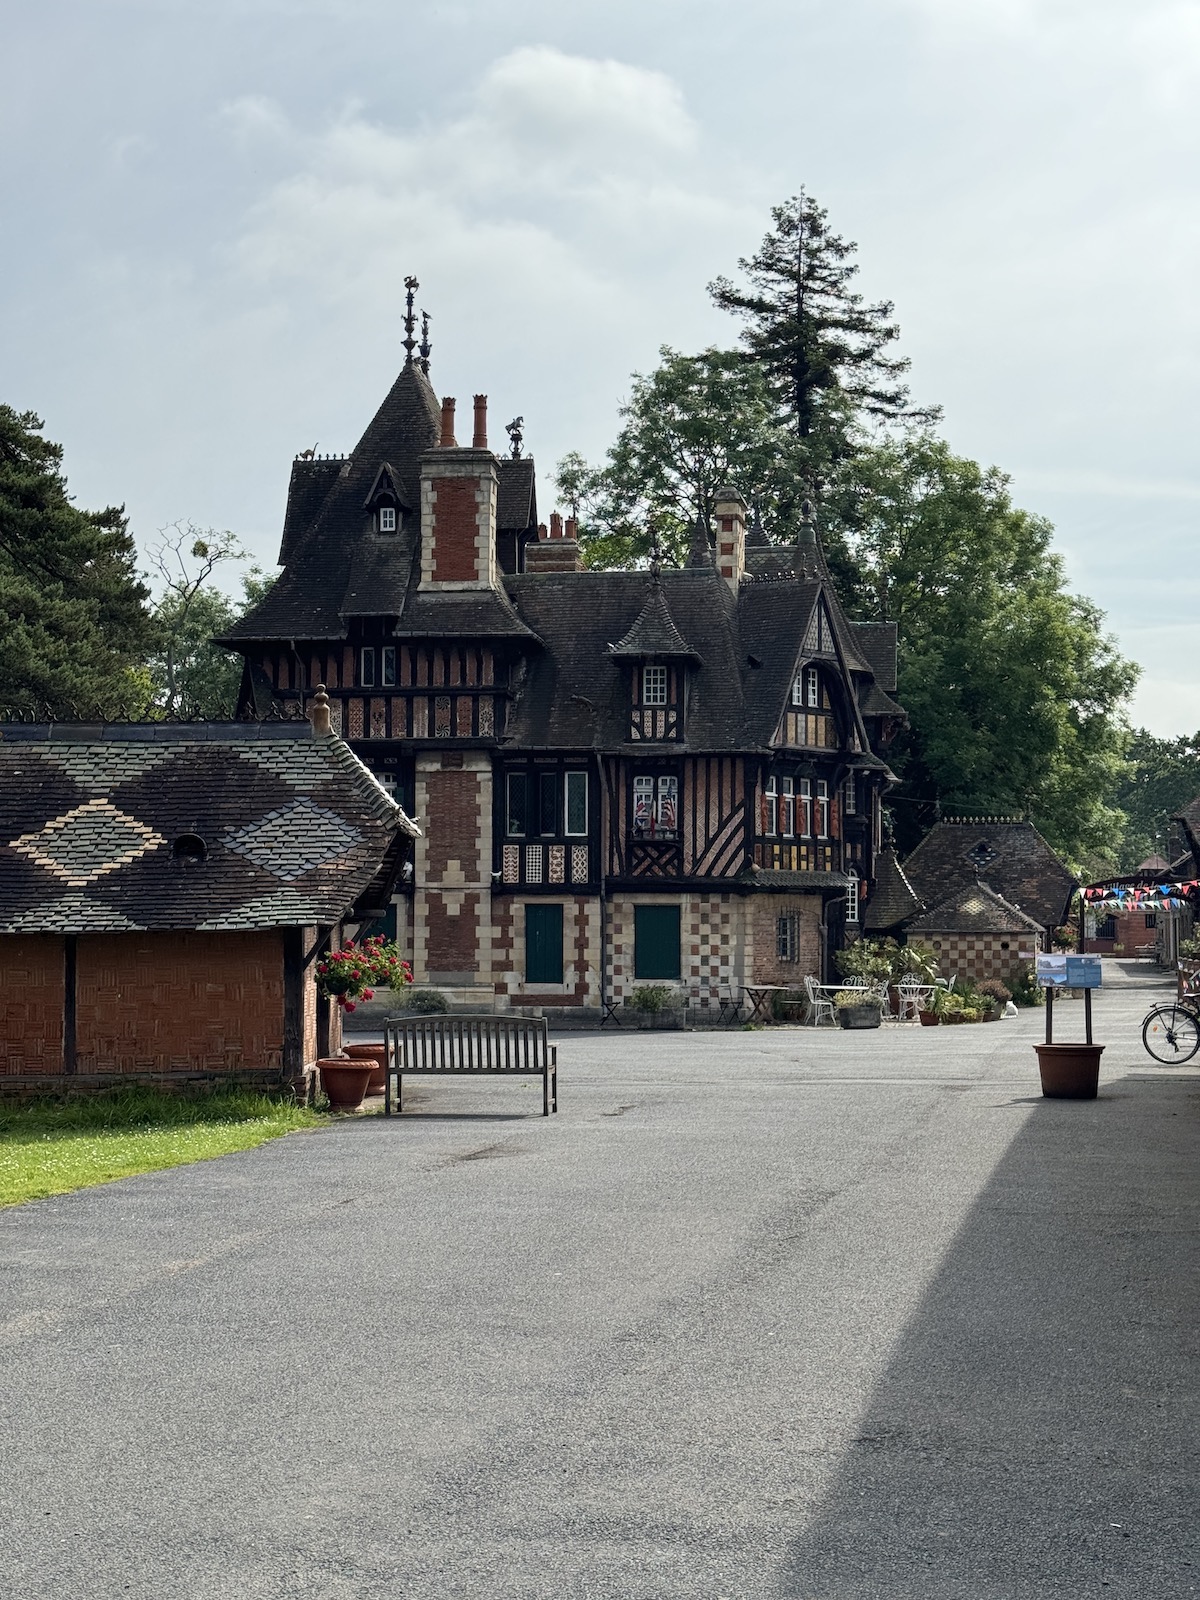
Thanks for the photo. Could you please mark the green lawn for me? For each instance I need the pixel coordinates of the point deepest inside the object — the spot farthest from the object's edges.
(51, 1146)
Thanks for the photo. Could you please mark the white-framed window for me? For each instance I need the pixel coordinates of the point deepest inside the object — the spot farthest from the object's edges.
(770, 816)
(787, 936)
(387, 519)
(850, 794)
(805, 818)
(656, 806)
(798, 689)
(387, 666)
(812, 687)
(852, 897)
(576, 807)
(822, 809)
(787, 809)
(654, 686)
(366, 666)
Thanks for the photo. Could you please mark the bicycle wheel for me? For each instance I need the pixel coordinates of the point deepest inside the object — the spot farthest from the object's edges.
(1171, 1034)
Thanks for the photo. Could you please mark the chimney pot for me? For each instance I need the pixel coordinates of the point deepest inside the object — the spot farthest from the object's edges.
(479, 442)
(447, 440)
(572, 529)
(555, 525)
(543, 531)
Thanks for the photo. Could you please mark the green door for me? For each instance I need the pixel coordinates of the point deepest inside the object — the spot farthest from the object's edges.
(543, 944)
(656, 941)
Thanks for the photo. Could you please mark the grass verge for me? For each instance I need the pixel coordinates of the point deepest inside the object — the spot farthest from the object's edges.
(51, 1146)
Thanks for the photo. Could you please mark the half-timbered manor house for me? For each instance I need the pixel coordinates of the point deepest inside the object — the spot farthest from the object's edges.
(622, 777)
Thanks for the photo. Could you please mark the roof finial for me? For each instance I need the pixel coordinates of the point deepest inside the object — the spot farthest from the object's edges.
(516, 437)
(411, 286)
(655, 553)
(426, 349)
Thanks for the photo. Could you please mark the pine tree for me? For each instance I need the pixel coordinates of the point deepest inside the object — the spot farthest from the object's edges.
(74, 627)
(823, 349)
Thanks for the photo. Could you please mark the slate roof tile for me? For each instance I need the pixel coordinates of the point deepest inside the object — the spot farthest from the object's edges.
(293, 827)
(1018, 862)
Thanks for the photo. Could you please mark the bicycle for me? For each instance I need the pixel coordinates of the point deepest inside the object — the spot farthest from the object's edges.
(1171, 1033)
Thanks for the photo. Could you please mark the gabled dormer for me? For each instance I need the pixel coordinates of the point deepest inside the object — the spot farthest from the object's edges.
(386, 501)
(657, 660)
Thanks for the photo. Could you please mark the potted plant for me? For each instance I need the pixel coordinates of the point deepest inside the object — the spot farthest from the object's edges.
(654, 1004)
(999, 995)
(858, 1008)
(931, 1014)
(354, 972)
(349, 975)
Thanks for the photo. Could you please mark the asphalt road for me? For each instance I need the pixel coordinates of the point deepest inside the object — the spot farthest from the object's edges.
(786, 1313)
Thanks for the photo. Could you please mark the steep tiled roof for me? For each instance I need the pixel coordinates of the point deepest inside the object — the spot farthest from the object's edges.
(893, 900)
(572, 695)
(975, 908)
(1013, 856)
(654, 632)
(208, 826)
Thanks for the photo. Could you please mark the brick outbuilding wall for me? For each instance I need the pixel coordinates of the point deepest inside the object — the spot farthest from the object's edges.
(31, 1003)
(979, 955)
(208, 1002)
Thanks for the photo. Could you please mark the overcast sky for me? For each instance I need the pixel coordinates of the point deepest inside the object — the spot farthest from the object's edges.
(209, 209)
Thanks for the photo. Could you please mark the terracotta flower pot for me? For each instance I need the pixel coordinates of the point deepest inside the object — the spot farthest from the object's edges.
(345, 1082)
(1069, 1071)
(929, 1019)
(376, 1054)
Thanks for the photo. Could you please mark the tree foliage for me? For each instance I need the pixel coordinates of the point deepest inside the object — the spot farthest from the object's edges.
(823, 350)
(1014, 691)
(74, 623)
(190, 674)
(692, 425)
(1163, 776)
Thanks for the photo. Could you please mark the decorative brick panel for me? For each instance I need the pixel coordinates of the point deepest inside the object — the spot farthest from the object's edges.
(31, 1004)
(170, 1001)
(455, 530)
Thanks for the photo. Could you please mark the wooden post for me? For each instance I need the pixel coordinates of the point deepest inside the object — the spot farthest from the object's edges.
(1049, 1016)
(294, 977)
(70, 1043)
(1087, 1014)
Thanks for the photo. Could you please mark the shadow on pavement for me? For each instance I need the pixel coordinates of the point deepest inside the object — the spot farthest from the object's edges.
(1036, 1430)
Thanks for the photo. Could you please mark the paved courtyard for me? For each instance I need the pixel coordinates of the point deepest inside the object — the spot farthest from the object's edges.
(783, 1313)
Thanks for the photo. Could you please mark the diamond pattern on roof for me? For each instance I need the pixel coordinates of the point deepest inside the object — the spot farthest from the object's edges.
(304, 765)
(295, 839)
(99, 767)
(73, 913)
(85, 843)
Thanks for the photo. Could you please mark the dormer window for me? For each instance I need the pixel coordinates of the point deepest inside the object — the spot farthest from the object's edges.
(654, 686)
(385, 519)
(812, 687)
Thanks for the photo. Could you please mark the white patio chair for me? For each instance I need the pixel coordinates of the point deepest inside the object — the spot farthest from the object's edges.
(913, 995)
(819, 1003)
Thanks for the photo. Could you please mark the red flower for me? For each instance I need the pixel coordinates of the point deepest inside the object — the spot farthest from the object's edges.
(350, 1006)
(368, 994)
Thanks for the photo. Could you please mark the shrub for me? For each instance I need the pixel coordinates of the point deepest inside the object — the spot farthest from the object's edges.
(1189, 949)
(1065, 938)
(427, 1003)
(866, 959)
(844, 999)
(1026, 990)
(995, 990)
(651, 998)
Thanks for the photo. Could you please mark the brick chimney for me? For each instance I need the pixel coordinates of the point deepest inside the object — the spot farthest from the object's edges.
(557, 547)
(729, 529)
(459, 490)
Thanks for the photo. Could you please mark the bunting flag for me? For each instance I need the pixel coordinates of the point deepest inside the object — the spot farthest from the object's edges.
(1131, 897)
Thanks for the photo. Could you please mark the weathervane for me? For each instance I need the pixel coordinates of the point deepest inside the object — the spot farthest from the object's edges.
(411, 285)
(425, 347)
(516, 435)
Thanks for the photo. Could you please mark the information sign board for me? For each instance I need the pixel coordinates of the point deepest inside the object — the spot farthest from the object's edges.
(1051, 971)
(1084, 972)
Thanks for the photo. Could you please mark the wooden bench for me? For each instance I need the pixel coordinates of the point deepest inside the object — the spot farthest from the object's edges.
(503, 1047)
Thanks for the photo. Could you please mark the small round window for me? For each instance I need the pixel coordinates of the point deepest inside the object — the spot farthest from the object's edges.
(189, 847)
